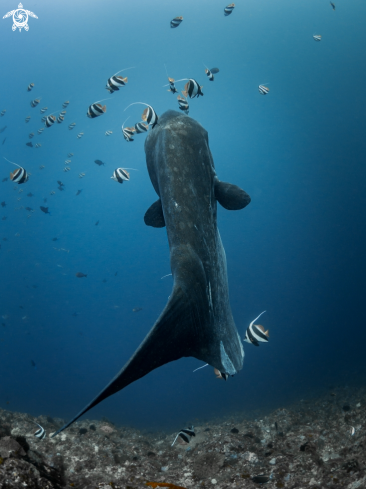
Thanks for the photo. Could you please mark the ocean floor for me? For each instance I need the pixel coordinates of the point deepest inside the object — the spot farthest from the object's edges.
(318, 443)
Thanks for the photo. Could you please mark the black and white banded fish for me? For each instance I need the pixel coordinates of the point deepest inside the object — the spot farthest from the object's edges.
(70, 155)
(176, 22)
(44, 110)
(50, 120)
(2, 112)
(108, 133)
(30, 86)
(185, 435)
(317, 37)
(128, 132)
(255, 333)
(40, 130)
(67, 162)
(19, 175)
(38, 145)
(114, 83)
(60, 119)
(263, 90)
(96, 110)
(228, 10)
(81, 175)
(221, 375)
(65, 104)
(80, 135)
(28, 118)
(31, 135)
(120, 175)
(35, 102)
(72, 125)
(141, 127)
(63, 112)
(183, 104)
(209, 74)
(192, 89)
(41, 432)
(67, 168)
(172, 86)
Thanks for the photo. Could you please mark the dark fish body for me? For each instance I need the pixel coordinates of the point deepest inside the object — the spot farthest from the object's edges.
(114, 83)
(176, 22)
(95, 110)
(44, 209)
(30, 144)
(19, 176)
(214, 70)
(30, 86)
(141, 127)
(99, 162)
(120, 175)
(197, 320)
(209, 75)
(78, 192)
(192, 89)
(4, 140)
(51, 119)
(260, 479)
(3, 204)
(96, 224)
(80, 275)
(35, 102)
(229, 9)
(183, 104)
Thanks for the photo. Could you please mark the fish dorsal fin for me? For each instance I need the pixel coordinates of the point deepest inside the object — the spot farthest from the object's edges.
(230, 196)
(12, 175)
(104, 108)
(154, 215)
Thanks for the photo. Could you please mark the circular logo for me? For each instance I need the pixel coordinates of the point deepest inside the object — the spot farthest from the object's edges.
(20, 19)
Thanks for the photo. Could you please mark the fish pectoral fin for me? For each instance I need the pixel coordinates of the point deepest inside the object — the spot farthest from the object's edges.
(154, 215)
(230, 196)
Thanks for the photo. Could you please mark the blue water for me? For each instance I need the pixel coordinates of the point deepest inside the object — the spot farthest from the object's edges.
(297, 251)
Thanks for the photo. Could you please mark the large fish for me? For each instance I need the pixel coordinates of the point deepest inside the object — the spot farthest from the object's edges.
(197, 320)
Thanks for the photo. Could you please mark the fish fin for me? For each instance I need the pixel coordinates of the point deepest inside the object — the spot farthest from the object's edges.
(230, 196)
(154, 215)
(178, 332)
(267, 333)
(104, 108)
(11, 175)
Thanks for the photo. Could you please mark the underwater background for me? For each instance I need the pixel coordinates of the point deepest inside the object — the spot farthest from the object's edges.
(297, 251)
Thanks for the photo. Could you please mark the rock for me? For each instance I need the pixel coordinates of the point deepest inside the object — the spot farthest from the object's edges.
(10, 448)
(208, 464)
(272, 461)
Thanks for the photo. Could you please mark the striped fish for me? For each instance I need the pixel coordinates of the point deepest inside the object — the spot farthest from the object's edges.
(67, 162)
(263, 90)
(40, 433)
(114, 83)
(183, 104)
(72, 125)
(80, 135)
(255, 333)
(209, 75)
(317, 37)
(51, 119)
(65, 104)
(141, 127)
(2, 112)
(35, 102)
(30, 86)
(43, 110)
(28, 118)
(19, 176)
(150, 116)
(228, 10)
(96, 109)
(221, 375)
(172, 86)
(67, 168)
(81, 175)
(185, 435)
(108, 133)
(40, 130)
(128, 132)
(38, 145)
(31, 135)
(176, 22)
(192, 89)
(60, 119)
(63, 112)
(70, 155)
(120, 175)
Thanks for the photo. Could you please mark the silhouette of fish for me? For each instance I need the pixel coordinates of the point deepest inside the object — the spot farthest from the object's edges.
(197, 320)
(99, 162)
(44, 209)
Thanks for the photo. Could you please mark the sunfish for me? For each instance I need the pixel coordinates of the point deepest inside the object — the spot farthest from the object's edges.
(197, 320)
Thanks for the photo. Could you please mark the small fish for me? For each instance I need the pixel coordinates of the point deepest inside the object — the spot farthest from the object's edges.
(332, 5)
(255, 333)
(28, 118)
(96, 224)
(78, 192)
(51, 119)
(44, 110)
(40, 433)
(128, 132)
(209, 74)
(60, 188)
(40, 130)
(30, 86)
(67, 162)
(38, 145)
(114, 83)
(2, 112)
(214, 70)
(317, 37)
(35, 102)
(30, 194)
(70, 155)
(60, 183)
(3, 129)
(30, 144)
(80, 135)
(172, 87)
(4, 218)
(72, 125)
(176, 22)
(352, 431)
(67, 168)
(52, 192)
(28, 209)
(54, 239)
(81, 175)
(5, 179)
(3, 141)
(183, 104)
(149, 115)
(108, 133)
(263, 90)
(3, 204)
(44, 118)
(60, 119)
(80, 275)
(65, 104)
(19, 175)
(63, 113)
(228, 10)
(41, 167)
(135, 309)
(185, 436)
(141, 127)
(260, 479)
(120, 175)
(31, 135)
(96, 110)
(99, 162)
(44, 209)
(192, 89)
(221, 375)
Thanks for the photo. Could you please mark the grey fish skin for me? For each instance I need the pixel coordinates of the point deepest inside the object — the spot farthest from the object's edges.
(197, 320)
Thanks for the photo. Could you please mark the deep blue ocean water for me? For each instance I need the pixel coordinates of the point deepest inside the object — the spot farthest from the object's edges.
(297, 251)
